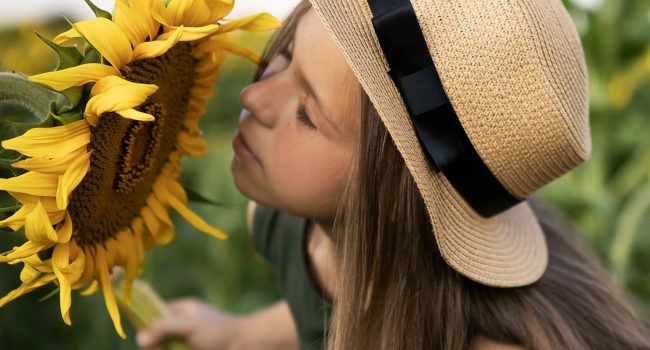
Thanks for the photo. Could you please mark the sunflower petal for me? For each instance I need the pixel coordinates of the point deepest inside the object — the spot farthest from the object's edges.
(38, 228)
(49, 164)
(114, 94)
(195, 220)
(144, 10)
(136, 115)
(17, 220)
(26, 288)
(156, 48)
(107, 289)
(230, 46)
(160, 13)
(67, 274)
(254, 23)
(159, 210)
(75, 76)
(219, 9)
(66, 37)
(108, 39)
(71, 178)
(32, 183)
(91, 289)
(133, 24)
(51, 142)
(193, 145)
(193, 33)
(194, 13)
(26, 250)
(64, 231)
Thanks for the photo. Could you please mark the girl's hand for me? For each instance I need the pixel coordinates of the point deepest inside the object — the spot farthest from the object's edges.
(198, 324)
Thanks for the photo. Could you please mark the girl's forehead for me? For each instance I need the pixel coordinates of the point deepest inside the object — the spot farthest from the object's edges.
(324, 69)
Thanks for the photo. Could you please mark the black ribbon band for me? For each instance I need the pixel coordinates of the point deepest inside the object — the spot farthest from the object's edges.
(441, 135)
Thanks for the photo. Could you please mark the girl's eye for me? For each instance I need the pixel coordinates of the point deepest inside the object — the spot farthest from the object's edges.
(304, 118)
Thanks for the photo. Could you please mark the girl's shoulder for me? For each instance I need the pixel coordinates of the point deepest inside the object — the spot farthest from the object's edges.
(481, 342)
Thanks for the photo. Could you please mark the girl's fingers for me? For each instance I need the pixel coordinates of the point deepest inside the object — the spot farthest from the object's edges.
(186, 306)
(163, 329)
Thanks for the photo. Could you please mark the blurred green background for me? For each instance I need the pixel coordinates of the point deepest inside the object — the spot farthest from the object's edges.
(608, 197)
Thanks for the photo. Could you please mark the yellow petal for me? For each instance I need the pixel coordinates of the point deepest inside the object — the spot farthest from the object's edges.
(150, 220)
(156, 48)
(66, 37)
(29, 201)
(126, 241)
(75, 76)
(64, 231)
(89, 273)
(112, 94)
(50, 164)
(107, 289)
(17, 220)
(194, 13)
(227, 45)
(24, 251)
(26, 288)
(219, 9)
(159, 210)
(36, 184)
(254, 23)
(107, 37)
(135, 20)
(192, 33)
(193, 145)
(51, 142)
(160, 13)
(38, 228)
(195, 220)
(91, 289)
(136, 115)
(144, 10)
(71, 178)
(67, 273)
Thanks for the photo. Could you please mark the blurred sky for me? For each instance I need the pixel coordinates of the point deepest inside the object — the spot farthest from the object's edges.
(16, 11)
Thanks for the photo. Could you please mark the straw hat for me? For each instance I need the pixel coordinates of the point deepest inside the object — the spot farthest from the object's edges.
(514, 77)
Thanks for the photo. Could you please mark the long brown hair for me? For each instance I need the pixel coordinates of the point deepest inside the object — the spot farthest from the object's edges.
(396, 292)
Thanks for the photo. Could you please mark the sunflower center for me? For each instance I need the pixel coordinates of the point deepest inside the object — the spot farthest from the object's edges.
(127, 156)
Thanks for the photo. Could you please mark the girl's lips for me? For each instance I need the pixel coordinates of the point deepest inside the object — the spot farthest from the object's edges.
(242, 150)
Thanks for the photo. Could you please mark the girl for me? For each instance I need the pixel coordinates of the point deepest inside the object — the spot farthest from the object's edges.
(391, 146)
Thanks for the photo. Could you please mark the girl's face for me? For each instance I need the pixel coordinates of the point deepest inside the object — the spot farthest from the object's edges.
(298, 130)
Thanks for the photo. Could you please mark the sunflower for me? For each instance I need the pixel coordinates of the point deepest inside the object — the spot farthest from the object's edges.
(95, 190)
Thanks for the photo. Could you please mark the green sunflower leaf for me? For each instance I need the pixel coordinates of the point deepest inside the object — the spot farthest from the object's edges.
(19, 94)
(91, 55)
(65, 117)
(67, 56)
(99, 12)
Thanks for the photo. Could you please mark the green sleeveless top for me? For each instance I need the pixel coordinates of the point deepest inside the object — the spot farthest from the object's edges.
(280, 238)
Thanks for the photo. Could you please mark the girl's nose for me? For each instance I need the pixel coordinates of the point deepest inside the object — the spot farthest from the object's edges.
(258, 99)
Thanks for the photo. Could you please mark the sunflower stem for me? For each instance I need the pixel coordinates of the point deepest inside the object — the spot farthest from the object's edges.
(145, 307)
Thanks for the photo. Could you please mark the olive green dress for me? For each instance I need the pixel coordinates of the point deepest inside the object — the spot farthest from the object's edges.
(280, 238)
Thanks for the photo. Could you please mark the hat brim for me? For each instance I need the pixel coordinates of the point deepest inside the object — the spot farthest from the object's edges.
(506, 250)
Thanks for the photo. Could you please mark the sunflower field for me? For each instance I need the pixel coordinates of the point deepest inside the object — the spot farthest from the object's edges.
(607, 198)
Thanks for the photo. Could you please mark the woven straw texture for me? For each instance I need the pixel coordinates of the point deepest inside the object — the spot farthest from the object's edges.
(515, 74)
